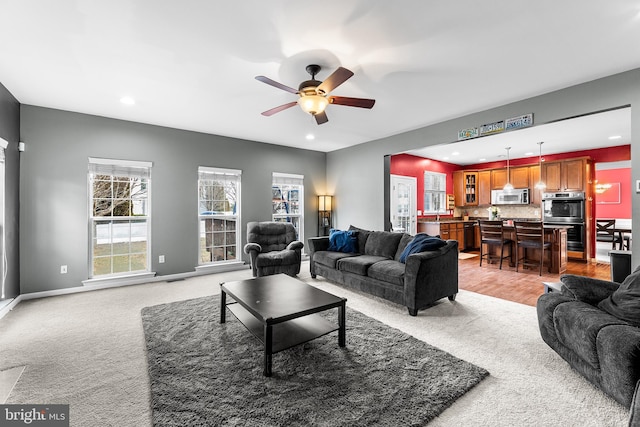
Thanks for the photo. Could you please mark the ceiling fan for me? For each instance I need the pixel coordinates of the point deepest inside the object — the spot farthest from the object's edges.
(314, 94)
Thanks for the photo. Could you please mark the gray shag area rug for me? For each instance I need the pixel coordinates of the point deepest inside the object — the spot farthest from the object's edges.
(206, 373)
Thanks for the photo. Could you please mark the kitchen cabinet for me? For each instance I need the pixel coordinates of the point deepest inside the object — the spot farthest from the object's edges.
(465, 188)
(519, 177)
(565, 175)
(535, 195)
(484, 187)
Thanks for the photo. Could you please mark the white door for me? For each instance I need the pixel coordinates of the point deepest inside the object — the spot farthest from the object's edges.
(403, 204)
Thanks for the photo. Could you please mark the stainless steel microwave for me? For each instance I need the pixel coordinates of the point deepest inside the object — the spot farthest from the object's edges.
(517, 196)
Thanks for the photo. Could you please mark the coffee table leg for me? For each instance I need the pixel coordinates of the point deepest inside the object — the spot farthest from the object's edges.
(268, 346)
(342, 331)
(223, 306)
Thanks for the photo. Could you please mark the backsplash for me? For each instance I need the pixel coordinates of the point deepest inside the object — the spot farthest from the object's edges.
(506, 211)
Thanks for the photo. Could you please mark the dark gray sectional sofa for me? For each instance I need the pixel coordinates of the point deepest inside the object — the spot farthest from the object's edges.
(376, 268)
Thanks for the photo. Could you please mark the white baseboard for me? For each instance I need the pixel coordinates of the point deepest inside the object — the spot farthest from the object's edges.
(116, 282)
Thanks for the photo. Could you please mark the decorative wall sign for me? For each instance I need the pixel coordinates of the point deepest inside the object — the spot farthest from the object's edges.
(519, 122)
(512, 123)
(491, 128)
(467, 134)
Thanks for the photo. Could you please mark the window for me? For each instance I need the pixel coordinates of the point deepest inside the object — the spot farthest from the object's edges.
(287, 195)
(435, 188)
(3, 249)
(120, 216)
(219, 214)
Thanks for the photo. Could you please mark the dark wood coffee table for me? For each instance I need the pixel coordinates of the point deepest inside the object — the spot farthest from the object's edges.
(281, 312)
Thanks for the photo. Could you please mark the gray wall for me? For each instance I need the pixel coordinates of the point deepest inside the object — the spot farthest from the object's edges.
(356, 174)
(10, 132)
(53, 185)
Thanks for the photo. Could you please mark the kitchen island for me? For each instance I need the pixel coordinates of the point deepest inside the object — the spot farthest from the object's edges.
(467, 233)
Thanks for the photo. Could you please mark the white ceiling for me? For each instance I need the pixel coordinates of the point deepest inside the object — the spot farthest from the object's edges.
(191, 64)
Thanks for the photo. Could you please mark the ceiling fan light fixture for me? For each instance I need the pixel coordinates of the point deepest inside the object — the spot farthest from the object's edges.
(313, 104)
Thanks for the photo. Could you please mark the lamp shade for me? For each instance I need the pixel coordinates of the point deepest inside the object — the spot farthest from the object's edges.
(324, 203)
(313, 104)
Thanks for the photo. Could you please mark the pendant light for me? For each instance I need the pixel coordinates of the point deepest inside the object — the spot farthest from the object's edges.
(540, 185)
(508, 187)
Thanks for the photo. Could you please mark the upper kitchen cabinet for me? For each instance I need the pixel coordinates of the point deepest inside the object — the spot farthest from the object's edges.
(465, 188)
(484, 187)
(566, 175)
(519, 177)
(534, 178)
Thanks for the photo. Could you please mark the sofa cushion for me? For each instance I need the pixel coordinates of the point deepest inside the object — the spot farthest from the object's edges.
(406, 239)
(624, 303)
(275, 258)
(343, 241)
(330, 259)
(389, 271)
(421, 243)
(382, 243)
(578, 324)
(362, 237)
(358, 264)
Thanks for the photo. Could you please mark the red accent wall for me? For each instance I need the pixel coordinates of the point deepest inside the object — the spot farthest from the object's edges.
(408, 165)
(619, 210)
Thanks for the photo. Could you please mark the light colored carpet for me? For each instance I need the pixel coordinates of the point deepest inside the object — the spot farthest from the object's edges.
(88, 350)
(464, 255)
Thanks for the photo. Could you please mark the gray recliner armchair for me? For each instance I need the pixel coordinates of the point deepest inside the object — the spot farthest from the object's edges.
(273, 248)
(595, 326)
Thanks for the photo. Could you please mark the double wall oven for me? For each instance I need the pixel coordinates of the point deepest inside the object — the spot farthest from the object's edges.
(567, 208)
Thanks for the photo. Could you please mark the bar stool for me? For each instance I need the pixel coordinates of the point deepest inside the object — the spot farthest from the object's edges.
(492, 234)
(530, 235)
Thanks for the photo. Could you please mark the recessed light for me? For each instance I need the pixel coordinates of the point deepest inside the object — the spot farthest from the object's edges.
(455, 153)
(482, 159)
(127, 100)
(615, 137)
(310, 137)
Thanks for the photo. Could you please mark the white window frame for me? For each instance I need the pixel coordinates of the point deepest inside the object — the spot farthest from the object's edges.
(283, 183)
(431, 178)
(233, 215)
(114, 167)
(3, 261)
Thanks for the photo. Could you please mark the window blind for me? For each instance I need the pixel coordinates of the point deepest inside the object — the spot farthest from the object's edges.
(287, 179)
(126, 168)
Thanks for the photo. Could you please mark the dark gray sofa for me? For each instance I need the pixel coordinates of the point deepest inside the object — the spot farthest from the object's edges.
(580, 325)
(376, 268)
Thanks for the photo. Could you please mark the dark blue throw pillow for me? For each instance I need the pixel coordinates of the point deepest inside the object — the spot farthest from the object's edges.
(421, 243)
(343, 241)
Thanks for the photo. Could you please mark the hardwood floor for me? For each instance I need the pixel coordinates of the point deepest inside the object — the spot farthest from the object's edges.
(525, 286)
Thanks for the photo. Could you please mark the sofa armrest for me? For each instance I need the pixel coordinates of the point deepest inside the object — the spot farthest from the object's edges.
(318, 244)
(431, 275)
(252, 247)
(295, 245)
(587, 289)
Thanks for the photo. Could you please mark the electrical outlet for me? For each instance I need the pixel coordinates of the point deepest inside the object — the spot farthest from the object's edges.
(161, 259)
(63, 269)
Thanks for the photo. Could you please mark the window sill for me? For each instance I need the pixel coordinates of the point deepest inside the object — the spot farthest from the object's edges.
(219, 268)
(129, 279)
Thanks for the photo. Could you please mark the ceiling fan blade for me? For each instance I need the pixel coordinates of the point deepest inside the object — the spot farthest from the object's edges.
(274, 83)
(274, 110)
(338, 77)
(321, 118)
(352, 102)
